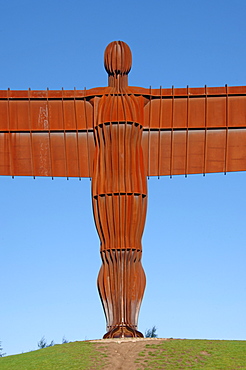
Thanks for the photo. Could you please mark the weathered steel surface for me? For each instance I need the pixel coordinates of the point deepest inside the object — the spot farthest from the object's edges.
(118, 135)
(119, 194)
(45, 133)
(185, 131)
(195, 130)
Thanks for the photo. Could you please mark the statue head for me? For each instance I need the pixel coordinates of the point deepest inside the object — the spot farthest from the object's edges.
(118, 62)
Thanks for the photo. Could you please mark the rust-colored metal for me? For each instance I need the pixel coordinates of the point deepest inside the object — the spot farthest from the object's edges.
(119, 195)
(118, 135)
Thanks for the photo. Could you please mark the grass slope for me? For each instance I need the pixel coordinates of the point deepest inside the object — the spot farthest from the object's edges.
(170, 354)
(194, 354)
(69, 356)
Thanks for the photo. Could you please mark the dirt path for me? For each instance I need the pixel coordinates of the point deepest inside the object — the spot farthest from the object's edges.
(122, 353)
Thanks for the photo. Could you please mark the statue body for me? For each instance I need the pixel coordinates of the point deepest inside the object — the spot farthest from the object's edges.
(119, 194)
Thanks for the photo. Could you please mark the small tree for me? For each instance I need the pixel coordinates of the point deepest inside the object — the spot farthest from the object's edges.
(1, 353)
(43, 344)
(151, 333)
(64, 340)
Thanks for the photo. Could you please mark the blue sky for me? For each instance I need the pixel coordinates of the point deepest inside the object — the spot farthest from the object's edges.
(194, 241)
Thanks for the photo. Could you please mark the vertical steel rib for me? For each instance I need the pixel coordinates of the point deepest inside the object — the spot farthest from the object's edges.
(172, 125)
(150, 112)
(64, 136)
(87, 135)
(11, 158)
(159, 135)
(77, 134)
(187, 134)
(31, 130)
(227, 128)
(49, 140)
(205, 132)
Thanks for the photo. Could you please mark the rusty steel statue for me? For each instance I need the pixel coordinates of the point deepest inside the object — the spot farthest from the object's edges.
(118, 135)
(119, 194)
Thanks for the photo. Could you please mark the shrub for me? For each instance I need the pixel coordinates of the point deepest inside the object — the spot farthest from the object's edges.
(1, 353)
(43, 344)
(151, 333)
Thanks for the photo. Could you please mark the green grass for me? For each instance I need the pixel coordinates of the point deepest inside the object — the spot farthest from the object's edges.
(194, 354)
(69, 356)
(171, 354)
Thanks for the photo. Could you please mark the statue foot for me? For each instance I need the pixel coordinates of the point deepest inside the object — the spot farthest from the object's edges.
(123, 332)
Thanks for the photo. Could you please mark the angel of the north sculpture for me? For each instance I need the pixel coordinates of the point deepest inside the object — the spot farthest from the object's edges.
(118, 135)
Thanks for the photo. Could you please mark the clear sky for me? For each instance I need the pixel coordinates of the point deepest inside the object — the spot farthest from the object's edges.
(194, 242)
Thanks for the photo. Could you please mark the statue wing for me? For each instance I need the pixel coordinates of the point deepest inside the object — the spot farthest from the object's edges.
(46, 133)
(195, 130)
(185, 131)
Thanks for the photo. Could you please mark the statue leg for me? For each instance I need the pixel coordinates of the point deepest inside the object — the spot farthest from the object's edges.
(120, 221)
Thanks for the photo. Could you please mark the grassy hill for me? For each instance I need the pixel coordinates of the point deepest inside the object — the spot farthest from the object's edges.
(195, 354)
(169, 354)
(76, 355)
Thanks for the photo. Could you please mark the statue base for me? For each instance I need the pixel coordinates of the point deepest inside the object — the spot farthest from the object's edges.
(123, 331)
